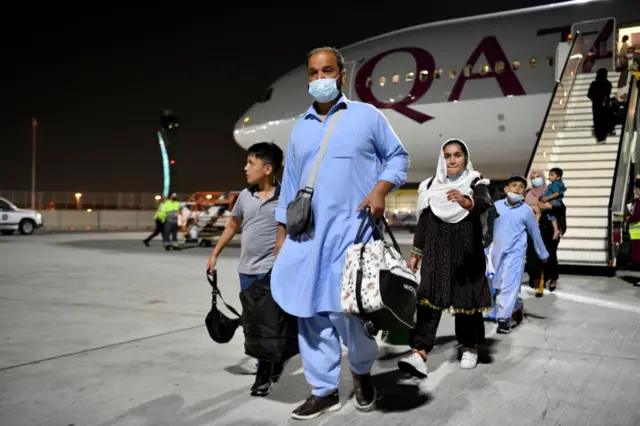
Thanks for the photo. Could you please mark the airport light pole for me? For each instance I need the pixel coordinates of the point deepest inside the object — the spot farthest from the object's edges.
(166, 137)
(34, 129)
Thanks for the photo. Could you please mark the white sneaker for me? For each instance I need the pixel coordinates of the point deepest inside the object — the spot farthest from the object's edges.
(469, 359)
(414, 365)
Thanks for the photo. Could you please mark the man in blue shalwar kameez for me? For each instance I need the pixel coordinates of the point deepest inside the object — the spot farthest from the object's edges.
(363, 162)
(509, 250)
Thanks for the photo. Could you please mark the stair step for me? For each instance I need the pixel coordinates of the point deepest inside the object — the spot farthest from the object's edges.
(560, 116)
(587, 212)
(588, 149)
(586, 201)
(571, 133)
(586, 192)
(560, 110)
(611, 75)
(585, 156)
(577, 141)
(539, 164)
(586, 173)
(567, 243)
(588, 183)
(586, 222)
(568, 124)
(580, 257)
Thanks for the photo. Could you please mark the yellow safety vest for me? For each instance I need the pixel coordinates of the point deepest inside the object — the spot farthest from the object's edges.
(160, 214)
(634, 230)
(171, 209)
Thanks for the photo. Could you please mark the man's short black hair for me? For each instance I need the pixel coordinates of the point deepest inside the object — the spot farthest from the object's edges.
(336, 52)
(269, 153)
(557, 171)
(625, 38)
(517, 178)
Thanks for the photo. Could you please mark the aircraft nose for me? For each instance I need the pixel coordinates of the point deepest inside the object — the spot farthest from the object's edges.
(243, 129)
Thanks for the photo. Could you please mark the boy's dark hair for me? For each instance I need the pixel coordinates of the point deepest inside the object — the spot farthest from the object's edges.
(269, 153)
(517, 178)
(557, 171)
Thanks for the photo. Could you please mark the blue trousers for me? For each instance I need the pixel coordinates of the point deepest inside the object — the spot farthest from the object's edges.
(508, 279)
(246, 280)
(319, 340)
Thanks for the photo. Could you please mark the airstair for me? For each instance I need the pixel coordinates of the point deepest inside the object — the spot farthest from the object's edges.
(597, 176)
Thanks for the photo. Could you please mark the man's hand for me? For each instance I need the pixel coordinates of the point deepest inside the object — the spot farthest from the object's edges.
(375, 201)
(211, 264)
(544, 260)
(455, 195)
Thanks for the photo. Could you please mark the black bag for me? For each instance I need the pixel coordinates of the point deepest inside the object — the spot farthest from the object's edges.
(486, 219)
(270, 333)
(220, 327)
(300, 211)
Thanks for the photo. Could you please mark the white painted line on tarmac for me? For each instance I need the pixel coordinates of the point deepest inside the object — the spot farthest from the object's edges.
(588, 300)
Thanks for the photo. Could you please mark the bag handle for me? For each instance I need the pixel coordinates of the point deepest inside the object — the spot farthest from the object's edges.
(212, 277)
(323, 148)
(368, 217)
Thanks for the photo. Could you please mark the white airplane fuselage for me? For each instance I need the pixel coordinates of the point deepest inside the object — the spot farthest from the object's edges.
(486, 80)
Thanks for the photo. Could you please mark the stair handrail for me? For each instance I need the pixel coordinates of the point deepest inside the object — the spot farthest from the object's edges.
(623, 161)
(574, 58)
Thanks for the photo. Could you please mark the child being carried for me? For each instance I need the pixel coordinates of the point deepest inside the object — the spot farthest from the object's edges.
(552, 198)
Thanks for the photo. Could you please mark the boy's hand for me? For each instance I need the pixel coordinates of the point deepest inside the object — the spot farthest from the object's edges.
(277, 248)
(211, 264)
(544, 260)
(281, 235)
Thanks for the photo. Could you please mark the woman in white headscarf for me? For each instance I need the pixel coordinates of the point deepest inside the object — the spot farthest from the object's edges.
(448, 243)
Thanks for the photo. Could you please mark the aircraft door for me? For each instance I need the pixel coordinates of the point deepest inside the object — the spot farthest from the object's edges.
(599, 37)
(350, 67)
(562, 54)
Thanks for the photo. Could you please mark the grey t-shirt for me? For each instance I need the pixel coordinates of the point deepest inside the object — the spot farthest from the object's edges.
(259, 228)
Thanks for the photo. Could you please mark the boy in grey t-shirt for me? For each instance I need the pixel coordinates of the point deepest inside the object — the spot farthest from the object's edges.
(254, 212)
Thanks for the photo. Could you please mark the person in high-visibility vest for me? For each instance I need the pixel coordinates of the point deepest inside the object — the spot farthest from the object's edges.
(634, 225)
(171, 210)
(159, 218)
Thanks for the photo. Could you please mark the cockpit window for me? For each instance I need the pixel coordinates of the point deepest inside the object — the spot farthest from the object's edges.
(267, 95)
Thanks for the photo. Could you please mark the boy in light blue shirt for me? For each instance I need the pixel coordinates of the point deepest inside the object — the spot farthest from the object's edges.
(509, 249)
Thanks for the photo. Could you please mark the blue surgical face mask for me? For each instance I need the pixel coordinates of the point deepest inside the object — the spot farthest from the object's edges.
(453, 178)
(324, 90)
(537, 182)
(516, 198)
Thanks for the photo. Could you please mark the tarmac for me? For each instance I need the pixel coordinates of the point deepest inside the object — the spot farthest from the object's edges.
(97, 329)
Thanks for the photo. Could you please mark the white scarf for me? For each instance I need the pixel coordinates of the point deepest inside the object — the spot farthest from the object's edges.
(436, 196)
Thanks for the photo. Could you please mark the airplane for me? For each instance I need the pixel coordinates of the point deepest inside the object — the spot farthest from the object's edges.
(485, 79)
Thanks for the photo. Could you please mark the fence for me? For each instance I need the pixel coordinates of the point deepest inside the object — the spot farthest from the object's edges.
(59, 200)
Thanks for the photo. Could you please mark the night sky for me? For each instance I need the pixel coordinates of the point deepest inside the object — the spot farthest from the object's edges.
(98, 85)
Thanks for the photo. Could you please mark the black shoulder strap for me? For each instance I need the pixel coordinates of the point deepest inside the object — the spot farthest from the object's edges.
(430, 182)
(213, 280)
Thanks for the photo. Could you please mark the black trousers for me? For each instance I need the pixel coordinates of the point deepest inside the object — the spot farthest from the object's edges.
(158, 231)
(170, 232)
(469, 329)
